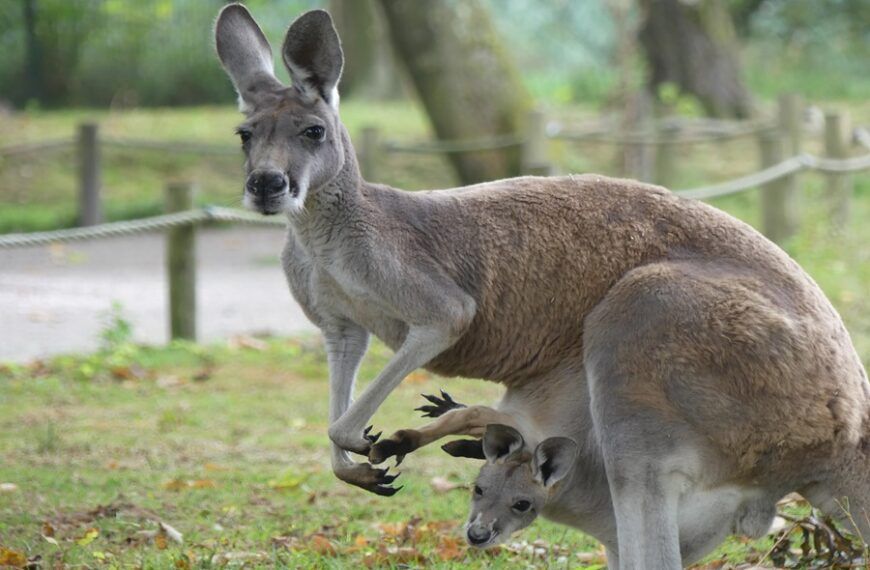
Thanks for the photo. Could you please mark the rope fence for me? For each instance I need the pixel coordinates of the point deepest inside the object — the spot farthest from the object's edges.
(782, 161)
(780, 138)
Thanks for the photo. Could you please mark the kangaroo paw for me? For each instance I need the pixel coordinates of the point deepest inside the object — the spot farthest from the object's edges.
(440, 405)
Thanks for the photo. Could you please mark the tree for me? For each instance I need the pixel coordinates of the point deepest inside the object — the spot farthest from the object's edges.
(370, 70)
(468, 85)
(33, 63)
(693, 45)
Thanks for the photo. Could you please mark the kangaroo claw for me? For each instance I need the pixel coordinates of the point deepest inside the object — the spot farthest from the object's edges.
(441, 405)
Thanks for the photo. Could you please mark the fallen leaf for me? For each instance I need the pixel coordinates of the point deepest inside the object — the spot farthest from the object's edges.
(8, 487)
(171, 532)
(169, 381)
(442, 485)
(322, 545)
(12, 558)
(248, 342)
(288, 481)
(50, 540)
(181, 484)
(417, 378)
(88, 537)
(47, 529)
(160, 541)
(243, 558)
(450, 548)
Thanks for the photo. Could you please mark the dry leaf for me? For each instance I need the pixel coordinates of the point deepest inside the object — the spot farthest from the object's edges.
(322, 545)
(160, 541)
(12, 558)
(450, 548)
(417, 377)
(242, 558)
(248, 342)
(8, 487)
(181, 484)
(288, 481)
(47, 529)
(88, 537)
(171, 532)
(442, 485)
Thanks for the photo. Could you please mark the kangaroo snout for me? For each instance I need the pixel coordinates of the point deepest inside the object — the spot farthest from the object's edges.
(478, 535)
(267, 183)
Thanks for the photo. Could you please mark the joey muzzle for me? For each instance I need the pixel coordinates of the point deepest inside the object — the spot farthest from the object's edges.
(478, 535)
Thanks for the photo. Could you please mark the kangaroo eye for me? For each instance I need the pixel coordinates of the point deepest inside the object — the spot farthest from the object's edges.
(478, 491)
(314, 133)
(244, 135)
(521, 506)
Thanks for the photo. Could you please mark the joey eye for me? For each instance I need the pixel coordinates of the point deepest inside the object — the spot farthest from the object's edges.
(478, 492)
(244, 135)
(521, 506)
(314, 133)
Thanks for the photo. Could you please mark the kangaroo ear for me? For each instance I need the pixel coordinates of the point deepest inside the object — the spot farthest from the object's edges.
(501, 442)
(471, 448)
(554, 458)
(312, 54)
(246, 55)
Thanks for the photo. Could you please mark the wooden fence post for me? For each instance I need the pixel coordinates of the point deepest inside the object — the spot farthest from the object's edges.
(181, 264)
(787, 191)
(775, 221)
(370, 153)
(90, 210)
(533, 159)
(839, 183)
(666, 153)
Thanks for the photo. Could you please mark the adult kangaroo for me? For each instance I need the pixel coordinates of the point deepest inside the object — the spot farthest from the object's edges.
(690, 333)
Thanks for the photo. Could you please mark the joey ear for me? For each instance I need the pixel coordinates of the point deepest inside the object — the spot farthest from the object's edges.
(501, 442)
(245, 54)
(554, 458)
(312, 54)
(471, 448)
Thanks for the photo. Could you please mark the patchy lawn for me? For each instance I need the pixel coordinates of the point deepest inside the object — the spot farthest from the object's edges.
(108, 457)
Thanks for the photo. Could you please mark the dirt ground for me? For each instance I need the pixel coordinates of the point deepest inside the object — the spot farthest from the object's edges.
(58, 298)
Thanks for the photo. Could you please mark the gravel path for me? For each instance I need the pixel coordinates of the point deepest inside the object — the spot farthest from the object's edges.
(57, 299)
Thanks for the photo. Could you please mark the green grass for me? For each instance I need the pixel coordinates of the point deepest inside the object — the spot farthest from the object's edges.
(227, 445)
(118, 428)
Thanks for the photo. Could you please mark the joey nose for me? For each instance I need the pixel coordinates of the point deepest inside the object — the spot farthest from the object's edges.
(478, 535)
(265, 183)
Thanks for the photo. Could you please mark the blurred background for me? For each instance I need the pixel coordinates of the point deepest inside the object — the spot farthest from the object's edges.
(163, 400)
(682, 93)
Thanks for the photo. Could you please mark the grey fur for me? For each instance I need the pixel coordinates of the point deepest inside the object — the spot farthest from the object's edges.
(674, 344)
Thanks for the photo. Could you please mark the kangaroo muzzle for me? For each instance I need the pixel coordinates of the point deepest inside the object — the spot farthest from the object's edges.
(265, 184)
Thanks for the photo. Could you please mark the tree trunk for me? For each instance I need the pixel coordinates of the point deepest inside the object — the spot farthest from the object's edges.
(693, 45)
(462, 73)
(370, 68)
(33, 65)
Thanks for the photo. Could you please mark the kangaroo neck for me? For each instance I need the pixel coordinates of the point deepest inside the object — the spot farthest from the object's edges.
(334, 207)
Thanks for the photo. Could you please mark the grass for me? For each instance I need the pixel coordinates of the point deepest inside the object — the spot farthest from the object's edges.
(227, 445)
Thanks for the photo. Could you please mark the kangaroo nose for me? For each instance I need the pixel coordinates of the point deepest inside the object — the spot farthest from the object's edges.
(266, 182)
(478, 535)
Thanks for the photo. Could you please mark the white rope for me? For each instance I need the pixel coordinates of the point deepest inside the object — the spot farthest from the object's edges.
(152, 224)
(785, 168)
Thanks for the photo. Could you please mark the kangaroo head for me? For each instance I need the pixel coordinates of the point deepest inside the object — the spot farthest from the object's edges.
(515, 484)
(292, 136)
